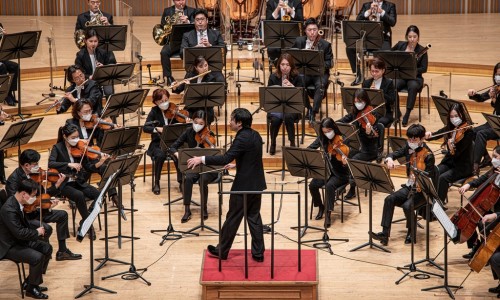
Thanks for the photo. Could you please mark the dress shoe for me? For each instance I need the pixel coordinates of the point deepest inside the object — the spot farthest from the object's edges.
(10, 100)
(3, 180)
(34, 292)
(114, 199)
(186, 217)
(41, 288)
(495, 290)
(358, 79)
(321, 210)
(408, 239)
(156, 188)
(406, 118)
(473, 251)
(292, 143)
(258, 258)
(475, 169)
(328, 219)
(67, 255)
(214, 252)
(382, 237)
(205, 214)
(272, 149)
(350, 194)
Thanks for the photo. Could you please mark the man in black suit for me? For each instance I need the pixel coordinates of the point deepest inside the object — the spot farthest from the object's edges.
(85, 17)
(20, 242)
(385, 13)
(246, 149)
(10, 67)
(187, 16)
(320, 82)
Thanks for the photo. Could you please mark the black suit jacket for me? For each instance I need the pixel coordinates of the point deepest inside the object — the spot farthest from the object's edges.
(169, 11)
(83, 59)
(247, 150)
(155, 114)
(462, 161)
(296, 4)
(338, 168)
(388, 20)
(190, 39)
(59, 159)
(485, 97)
(15, 179)
(421, 62)
(323, 45)
(187, 137)
(98, 133)
(275, 80)
(91, 91)
(14, 227)
(214, 76)
(85, 17)
(388, 89)
(429, 159)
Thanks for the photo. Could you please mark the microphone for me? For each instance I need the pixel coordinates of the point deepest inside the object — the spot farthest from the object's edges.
(151, 123)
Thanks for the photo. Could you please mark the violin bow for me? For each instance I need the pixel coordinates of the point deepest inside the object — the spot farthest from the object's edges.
(456, 129)
(366, 113)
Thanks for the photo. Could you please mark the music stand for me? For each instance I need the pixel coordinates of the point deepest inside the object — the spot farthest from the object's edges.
(20, 133)
(279, 35)
(111, 37)
(494, 122)
(125, 103)
(121, 141)
(215, 57)
(87, 225)
(284, 100)
(184, 155)
(397, 143)
(368, 31)
(5, 83)
(350, 139)
(175, 38)
(16, 46)
(376, 98)
(113, 74)
(443, 106)
(371, 177)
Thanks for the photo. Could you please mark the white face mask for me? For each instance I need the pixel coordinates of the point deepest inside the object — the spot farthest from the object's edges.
(31, 200)
(360, 105)
(34, 169)
(495, 162)
(497, 79)
(330, 134)
(413, 146)
(87, 117)
(73, 142)
(164, 105)
(197, 127)
(456, 121)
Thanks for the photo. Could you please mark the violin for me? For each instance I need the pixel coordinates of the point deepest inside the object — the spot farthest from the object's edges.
(173, 112)
(456, 136)
(483, 199)
(43, 201)
(366, 116)
(52, 175)
(92, 152)
(417, 160)
(205, 137)
(102, 123)
(486, 250)
(337, 148)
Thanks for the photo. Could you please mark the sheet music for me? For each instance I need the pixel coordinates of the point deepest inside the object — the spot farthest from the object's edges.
(445, 221)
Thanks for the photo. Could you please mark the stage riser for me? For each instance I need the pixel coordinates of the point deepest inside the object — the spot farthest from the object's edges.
(249, 291)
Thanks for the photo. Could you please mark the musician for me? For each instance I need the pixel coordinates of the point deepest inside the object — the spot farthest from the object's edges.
(186, 18)
(246, 149)
(412, 85)
(368, 135)
(94, 11)
(485, 133)
(381, 82)
(313, 40)
(10, 67)
(385, 13)
(20, 242)
(201, 36)
(285, 75)
(415, 151)
(459, 164)
(495, 258)
(28, 165)
(190, 137)
(80, 88)
(339, 174)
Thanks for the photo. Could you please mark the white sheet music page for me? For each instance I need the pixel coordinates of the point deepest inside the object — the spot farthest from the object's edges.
(445, 221)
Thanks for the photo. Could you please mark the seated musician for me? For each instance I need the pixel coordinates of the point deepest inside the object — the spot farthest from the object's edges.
(91, 14)
(381, 82)
(10, 67)
(80, 88)
(485, 133)
(417, 155)
(61, 158)
(494, 261)
(28, 162)
(286, 75)
(368, 133)
(412, 85)
(186, 17)
(197, 136)
(329, 138)
(457, 162)
(313, 41)
(20, 242)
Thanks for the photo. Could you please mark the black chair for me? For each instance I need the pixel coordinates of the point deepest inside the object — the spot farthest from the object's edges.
(426, 86)
(22, 277)
(339, 196)
(72, 206)
(297, 135)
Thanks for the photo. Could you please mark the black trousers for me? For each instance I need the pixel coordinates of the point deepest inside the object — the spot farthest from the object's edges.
(351, 53)
(37, 254)
(60, 217)
(190, 179)
(333, 183)
(413, 86)
(233, 221)
(275, 125)
(495, 264)
(2, 165)
(484, 133)
(159, 157)
(447, 176)
(10, 67)
(166, 65)
(401, 198)
(320, 84)
(77, 193)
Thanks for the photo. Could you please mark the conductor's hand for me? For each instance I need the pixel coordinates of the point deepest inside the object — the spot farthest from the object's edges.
(193, 162)
(75, 166)
(489, 218)
(41, 231)
(230, 166)
(390, 163)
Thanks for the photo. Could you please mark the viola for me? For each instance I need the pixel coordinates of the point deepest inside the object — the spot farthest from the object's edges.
(483, 199)
(486, 250)
(337, 148)
(417, 160)
(205, 137)
(456, 136)
(174, 112)
(103, 123)
(42, 201)
(52, 175)
(92, 152)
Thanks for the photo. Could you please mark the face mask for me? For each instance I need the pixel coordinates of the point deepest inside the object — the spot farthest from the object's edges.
(497, 79)
(495, 162)
(31, 200)
(413, 146)
(164, 105)
(330, 134)
(73, 142)
(456, 121)
(197, 127)
(34, 169)
(360, 105)
(86, 117)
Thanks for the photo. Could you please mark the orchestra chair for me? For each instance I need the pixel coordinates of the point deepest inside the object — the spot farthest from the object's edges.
(72, 206)
(297, 135)
(426, 86)
(339, 196)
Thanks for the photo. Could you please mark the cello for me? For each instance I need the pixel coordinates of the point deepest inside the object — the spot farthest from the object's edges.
(486, 250)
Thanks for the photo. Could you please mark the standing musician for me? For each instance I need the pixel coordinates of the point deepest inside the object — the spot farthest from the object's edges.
(186, 17)
(10, 67)
(418, 155)
(28, 162)
(201, 36)
(313, 41)
(20, 242)
(198, 136)
(286, 75)
(80, 88)
(93, 12)
(380, 11)
(457, 162)
(381, 82)
(369, 130)
(412, 85)
(330, 141)
(246, 149)
(485, 133)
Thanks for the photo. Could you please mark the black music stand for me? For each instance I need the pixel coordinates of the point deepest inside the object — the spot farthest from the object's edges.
(443, 106)
(215, 57)
(16, 46)
(350, 139)
(397, 143)
(5, 83)
(307, 163)
(86, 226)
(279, 35)
(20, 133)
(368, 31)
(494, 122)
(175, 38)
(113, 74)
(125, 103)
(284, 100)
(111, 37)
(376, 98)
(371, 177)
(184, 155)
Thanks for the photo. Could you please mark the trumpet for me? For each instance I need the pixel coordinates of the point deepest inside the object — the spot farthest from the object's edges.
(59, 102)
(286, 17)
(373, 14)
(189, 79)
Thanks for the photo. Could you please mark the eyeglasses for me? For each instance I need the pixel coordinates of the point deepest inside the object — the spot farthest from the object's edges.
(200, 19)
